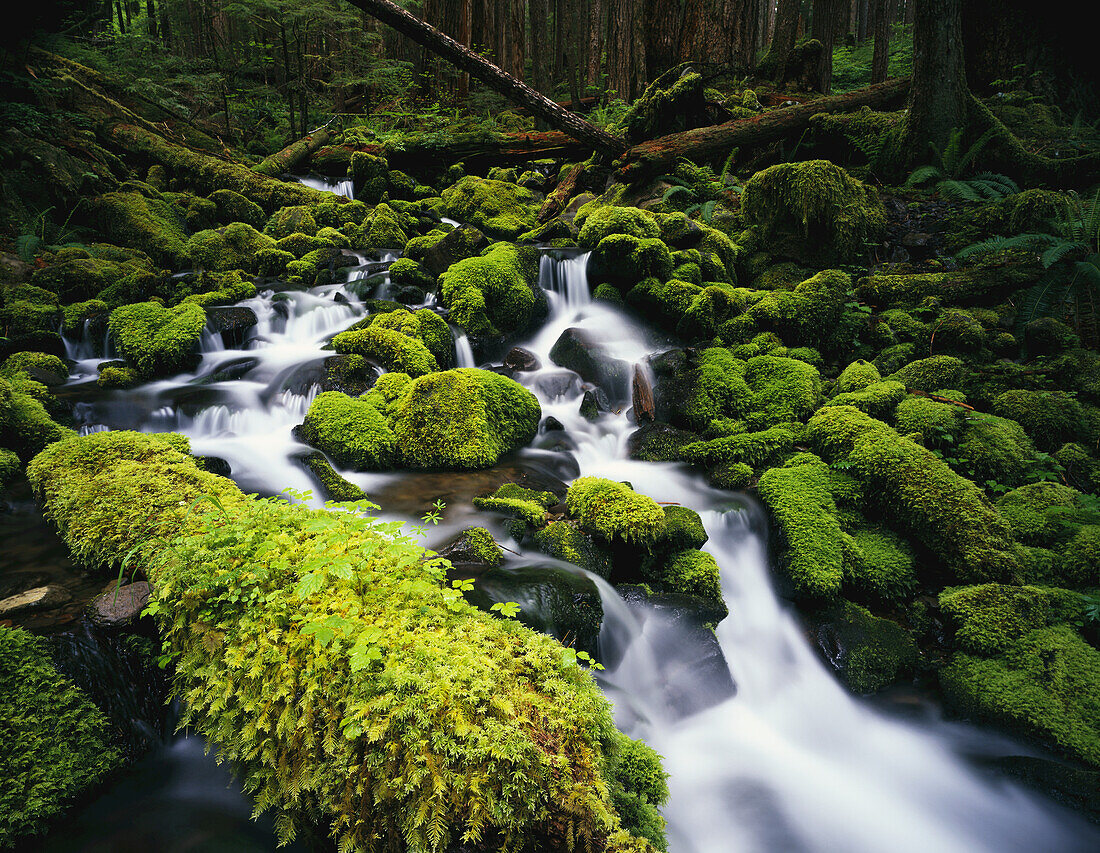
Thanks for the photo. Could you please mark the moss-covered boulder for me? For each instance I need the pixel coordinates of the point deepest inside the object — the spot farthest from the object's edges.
(564, 540)
(55, 742)
(624, 260)
(501, 210)
(813, 212)
(868, 652)
(384, 228)
(918, 491)
(617, 220)
(25, 424)
(231, 248)
(402, 341)
(293, 219)
(152, 225)
(519, 502)
(613, 510)
(352, 431)
(157, 341)
(988, 618)
(809, 315)
(932, 374)
(881, 566)
(495, 294)
(1051, 418)
(232, 207)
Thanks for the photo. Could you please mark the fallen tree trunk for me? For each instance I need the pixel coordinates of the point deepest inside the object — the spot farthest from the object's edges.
(713, 142)
(283, 161)
(514, 90)
(557, 200)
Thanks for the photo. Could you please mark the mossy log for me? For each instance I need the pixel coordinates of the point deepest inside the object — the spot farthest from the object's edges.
(283, 161)
(704, 143)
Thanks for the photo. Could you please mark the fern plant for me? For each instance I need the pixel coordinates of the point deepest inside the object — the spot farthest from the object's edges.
(1070, 287)
(701, 202)
(947, 175)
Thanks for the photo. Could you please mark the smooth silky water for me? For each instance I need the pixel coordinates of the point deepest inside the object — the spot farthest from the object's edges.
(789, 761)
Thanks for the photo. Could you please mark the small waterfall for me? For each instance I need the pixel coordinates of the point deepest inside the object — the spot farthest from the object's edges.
(567, 277)
(338, 186)
(464, 353)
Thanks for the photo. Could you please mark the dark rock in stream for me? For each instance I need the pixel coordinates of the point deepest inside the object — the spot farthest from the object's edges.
(552, 424)
(521, 360)
(1076, 788)
(659, 442)
(228, 372)
(642, 396)
(473, 548)
(590, 407)
(576, 350)
(39, 598)
(232, 322)
(119, 607)
(215, 465)
(463, 242)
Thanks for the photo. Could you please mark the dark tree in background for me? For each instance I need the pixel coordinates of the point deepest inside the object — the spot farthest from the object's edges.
(938, 97)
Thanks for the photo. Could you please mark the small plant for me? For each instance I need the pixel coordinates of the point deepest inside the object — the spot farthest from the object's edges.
(947, 175)
(42, 235)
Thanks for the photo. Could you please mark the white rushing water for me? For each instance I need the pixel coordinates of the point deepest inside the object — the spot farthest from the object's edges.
(791, 761)
(339, 186)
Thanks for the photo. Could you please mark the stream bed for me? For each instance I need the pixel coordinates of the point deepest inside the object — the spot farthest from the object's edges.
(765, 750)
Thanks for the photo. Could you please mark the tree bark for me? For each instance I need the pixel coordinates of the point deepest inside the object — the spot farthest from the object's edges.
(774, 63)
(711, 143)
(492, 76)
(939, 98)
(880, 59)
(626, 48)
(283, 161)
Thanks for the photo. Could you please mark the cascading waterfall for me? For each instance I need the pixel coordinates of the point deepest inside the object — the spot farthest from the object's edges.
(339, 186)
(790, 762)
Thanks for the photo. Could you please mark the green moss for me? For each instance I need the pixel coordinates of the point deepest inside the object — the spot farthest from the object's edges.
(565, 541)
(352, 431)
(493, 294)
(931, 419)
(918, 491)
(881, 565)
(813, 212)
(755, 448)
(638, 785)
(528, 505)
(464, 418)
(857, 376)
(406, 271)
(271, 262)
(9, 467)
(1081, 558)
(965, 286)
(232, 248)
(295, 219)
(156, 340)
(333, 486)
(989, 618)
(932, 374)
(617, 220)
(73, 316)
(299, 245)
(1082, 469)
(878, 400)
(623, 260)
(874, 652)
(1045, 685)
(55, 742)
(995, 449)
(117, 377)
(682, 528)
(37, 366)
(394, 340)
(607, 293)
(501, 210)
(1051, 418)
(384, 228)
(614, 510)
(808, 315)
(152, 225)
(370, 173)
(733, 476)
(24, 423)
(223, 288)
(233, 207)
(450, 687)
(713, 386)
(801, 503)
(693, 572)
(783, 390)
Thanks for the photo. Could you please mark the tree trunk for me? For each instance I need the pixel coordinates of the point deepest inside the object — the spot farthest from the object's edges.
(827, 18)
(774, 63)
(151, 18)
(713, 143)
(939, 98)
(283, 161)
(880, 60)
(491, 75)
(597, 16)
(626, 48)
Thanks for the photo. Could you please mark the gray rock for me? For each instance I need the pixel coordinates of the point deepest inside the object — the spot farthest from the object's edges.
(521, 359)
(115, 609)
(39, 598)
(579, 352)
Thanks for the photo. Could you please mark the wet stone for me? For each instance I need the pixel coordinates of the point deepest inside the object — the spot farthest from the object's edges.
(521, 359)
(39, 598)
(115, 609)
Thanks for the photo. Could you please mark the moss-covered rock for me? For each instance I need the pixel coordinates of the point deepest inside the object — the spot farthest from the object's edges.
(932, 374)
(152, 225)
(1081, 558)
(494, 294)
(157, 341)
(857, 376)
(370, 175)
(624, 260)
(476, 546)
(1050, 418)
(9, 466)
(989, 618)
(753, 448)
(881, 565)
(638, 786)
(501, 210)
(799, 498)
(527, 505)
(1044, 685)
(294, 219)
(813, 212)
(231, 248)
(878, 400)
(395, 340)
(693, 572)
(614, 510)
(868, 651)
(617, 220)
(74, 316)
(918, 491)
(384, 228)
(55, 742)
(232, 207)
(25, 424)
(809, 315)
(352, 431)
(1037, 513)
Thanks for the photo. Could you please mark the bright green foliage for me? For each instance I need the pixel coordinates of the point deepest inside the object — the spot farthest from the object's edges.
(9, 467)
(234, 207)
(782, 276)
(809, 315)
(493, 294)
(693, 572)
(638, 785)
(617, 220)
(994, 450)
(614, 510)
(878, 400)
(150, 224)
(24, 422)
(406, 271)
(1081, 558)
(394, 340)
(271, 262)
(464, 418)
(73, 316)
(875, 651)
(932, 374)
(708, 310)
(333, 486)
(384, 229)
(326, 657)
(1045, 685)
(352, 431)
(563, 540)
(919, 491)
(799, 499)
(1051, 418)
(857, 376)
(525, 504)
(370, 174)
(232, 248)
(666, 302)
(989, 618)
(221, 288)
(437, 337)
(24, 317)
(784, 390)
(931, 419)
(813, 211)
(623, 260)
(882, 565)
(1036, 513)
(755, 448)
(501, 210)
(55, 742)
(296, 219)
(113, 376)
(157, 341)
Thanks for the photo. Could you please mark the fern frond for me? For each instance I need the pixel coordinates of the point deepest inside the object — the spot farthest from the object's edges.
(972, 153)
(961, 190)
(923, 175)
(996, 185)
(1058, 251)
(672, 191)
